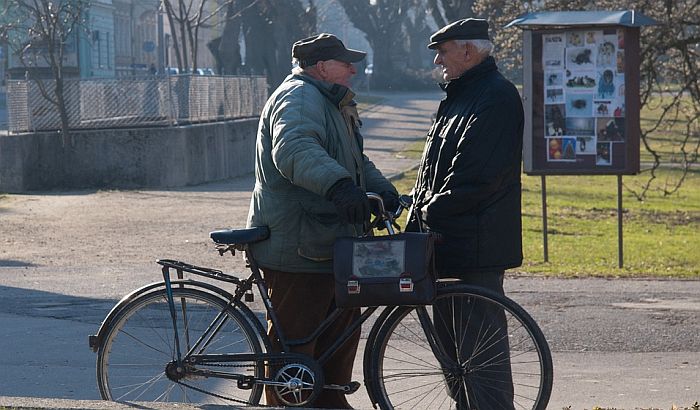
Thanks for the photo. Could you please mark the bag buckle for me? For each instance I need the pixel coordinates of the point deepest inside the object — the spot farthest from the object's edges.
(353, 287)
(405, 284)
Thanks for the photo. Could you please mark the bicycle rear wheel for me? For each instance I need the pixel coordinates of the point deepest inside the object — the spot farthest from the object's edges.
(492, 354)
(140, 343)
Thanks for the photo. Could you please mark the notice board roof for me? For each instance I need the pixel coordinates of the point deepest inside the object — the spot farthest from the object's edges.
(629, 18)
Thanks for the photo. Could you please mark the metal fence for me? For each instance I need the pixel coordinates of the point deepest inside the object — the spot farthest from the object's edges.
(135, 102)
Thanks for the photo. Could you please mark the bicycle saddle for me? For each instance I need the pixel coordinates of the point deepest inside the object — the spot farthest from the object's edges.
(240, 236)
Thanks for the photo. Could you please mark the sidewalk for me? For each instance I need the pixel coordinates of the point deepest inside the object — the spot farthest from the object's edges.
(66, 257)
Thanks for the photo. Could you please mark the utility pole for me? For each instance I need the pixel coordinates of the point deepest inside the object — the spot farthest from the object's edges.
(161, 45)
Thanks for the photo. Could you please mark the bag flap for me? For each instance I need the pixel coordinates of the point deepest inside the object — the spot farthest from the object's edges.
(383, 259)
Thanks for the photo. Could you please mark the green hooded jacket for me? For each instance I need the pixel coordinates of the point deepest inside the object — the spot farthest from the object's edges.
(307, 140)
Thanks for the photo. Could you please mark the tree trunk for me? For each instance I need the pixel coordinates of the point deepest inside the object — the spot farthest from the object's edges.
(383, 75)
(63, 111)
(173, 32)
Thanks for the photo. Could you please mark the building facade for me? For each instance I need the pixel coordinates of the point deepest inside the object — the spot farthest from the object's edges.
(136, 36)
(97, 45)
(119, 38)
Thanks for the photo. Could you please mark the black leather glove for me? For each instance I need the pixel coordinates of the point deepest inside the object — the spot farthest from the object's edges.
(350, 201)
(391, 200)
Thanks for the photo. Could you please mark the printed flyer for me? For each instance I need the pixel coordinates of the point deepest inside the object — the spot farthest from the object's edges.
(584, 96)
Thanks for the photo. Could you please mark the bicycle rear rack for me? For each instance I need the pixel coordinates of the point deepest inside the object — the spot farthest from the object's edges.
(198, 270)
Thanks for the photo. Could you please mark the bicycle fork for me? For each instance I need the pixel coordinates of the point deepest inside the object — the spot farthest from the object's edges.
(206, 337)
(173, 315)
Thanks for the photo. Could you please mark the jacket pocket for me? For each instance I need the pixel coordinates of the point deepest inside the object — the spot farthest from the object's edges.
(317, 233)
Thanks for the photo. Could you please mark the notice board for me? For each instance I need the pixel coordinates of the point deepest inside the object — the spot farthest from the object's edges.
(581, 99)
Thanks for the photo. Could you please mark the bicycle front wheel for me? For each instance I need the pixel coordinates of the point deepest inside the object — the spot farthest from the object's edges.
(472, 349)
(135, 359)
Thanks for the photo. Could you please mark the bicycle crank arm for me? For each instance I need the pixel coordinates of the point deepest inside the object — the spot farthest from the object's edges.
(349, 388)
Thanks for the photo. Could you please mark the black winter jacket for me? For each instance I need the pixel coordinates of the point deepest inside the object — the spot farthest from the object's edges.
(468, 185)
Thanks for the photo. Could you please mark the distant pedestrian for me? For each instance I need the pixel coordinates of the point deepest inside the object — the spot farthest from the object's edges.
(152, 69)
(468, 192)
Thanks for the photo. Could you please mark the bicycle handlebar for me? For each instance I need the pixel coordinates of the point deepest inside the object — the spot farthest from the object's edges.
(389, 217)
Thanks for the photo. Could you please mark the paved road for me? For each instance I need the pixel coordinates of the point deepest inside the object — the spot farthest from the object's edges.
(65, 258)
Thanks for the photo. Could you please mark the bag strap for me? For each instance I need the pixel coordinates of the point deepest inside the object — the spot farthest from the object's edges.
(413, 211)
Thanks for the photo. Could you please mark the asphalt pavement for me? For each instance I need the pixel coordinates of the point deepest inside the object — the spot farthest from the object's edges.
(622, 343)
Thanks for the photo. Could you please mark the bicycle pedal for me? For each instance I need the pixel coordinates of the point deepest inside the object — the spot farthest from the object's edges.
(349, 388)
(246, 383)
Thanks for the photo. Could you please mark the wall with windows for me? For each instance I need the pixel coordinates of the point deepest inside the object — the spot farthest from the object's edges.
(120, 38)
(135, 36)
(208, 31)
(97, 51)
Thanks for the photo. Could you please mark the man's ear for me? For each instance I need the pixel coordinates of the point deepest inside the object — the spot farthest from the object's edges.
(469, 51)
(322, 68)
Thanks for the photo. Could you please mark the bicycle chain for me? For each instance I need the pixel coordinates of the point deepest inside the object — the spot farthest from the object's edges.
(219, 396)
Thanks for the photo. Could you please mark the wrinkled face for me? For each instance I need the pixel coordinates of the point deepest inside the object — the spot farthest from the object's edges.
(454, 59)
(337, 72)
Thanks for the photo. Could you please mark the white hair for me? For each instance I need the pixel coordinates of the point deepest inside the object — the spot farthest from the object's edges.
(296, 66)
(482, 46)
(299, 68)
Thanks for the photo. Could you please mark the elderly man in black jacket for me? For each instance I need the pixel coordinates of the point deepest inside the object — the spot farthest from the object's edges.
(468, 189)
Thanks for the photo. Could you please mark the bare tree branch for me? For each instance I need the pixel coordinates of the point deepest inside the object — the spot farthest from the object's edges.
(39, 31)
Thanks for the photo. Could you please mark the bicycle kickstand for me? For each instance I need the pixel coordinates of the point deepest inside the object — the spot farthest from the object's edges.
(349, 388)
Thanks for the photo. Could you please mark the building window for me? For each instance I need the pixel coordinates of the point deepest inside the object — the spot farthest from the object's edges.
(109, 64)
(96, 41)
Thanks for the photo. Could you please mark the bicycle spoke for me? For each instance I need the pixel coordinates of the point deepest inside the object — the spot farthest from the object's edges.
(149, 382)
(418, 359)
(138, 340)
(491, 357)
(140, 345)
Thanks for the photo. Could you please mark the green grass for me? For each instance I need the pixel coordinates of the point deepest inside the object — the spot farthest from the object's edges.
(661, 235)
(665, 139)
(365, 101)
(414, 150)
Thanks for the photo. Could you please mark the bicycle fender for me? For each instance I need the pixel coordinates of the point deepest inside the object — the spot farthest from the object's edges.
(96, 340)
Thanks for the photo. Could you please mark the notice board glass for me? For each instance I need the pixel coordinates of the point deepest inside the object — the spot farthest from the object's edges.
(581, 94)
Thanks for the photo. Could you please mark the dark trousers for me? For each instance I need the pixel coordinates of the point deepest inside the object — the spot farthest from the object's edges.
(302, 301)
(474, 334)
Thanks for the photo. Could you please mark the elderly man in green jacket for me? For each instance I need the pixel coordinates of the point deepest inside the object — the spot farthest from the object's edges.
(311, 181)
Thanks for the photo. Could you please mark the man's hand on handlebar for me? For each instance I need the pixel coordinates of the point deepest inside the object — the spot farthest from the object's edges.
(350, 201)
(390, 201)
(387, 207)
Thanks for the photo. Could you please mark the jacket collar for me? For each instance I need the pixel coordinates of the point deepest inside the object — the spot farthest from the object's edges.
(488, 65)
(338, 94)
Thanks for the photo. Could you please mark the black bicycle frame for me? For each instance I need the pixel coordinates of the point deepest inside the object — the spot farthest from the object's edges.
(287, 343)
(243, 286)
(215, 326)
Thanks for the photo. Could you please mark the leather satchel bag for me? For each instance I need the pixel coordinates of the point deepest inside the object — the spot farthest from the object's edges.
(393, 270)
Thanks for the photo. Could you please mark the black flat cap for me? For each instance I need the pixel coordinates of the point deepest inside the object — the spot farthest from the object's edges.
(466, 29)
(324, 47)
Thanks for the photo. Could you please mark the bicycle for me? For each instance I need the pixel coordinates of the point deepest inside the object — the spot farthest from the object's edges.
(186, 340)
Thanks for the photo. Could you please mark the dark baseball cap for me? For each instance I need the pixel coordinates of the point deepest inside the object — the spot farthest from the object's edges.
(323, 47)
(465, 29)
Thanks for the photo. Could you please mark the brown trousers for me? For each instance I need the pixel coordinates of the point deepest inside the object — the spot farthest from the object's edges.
(302, 301)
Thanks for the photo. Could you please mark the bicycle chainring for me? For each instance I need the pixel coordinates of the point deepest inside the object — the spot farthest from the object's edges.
(298, 384)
